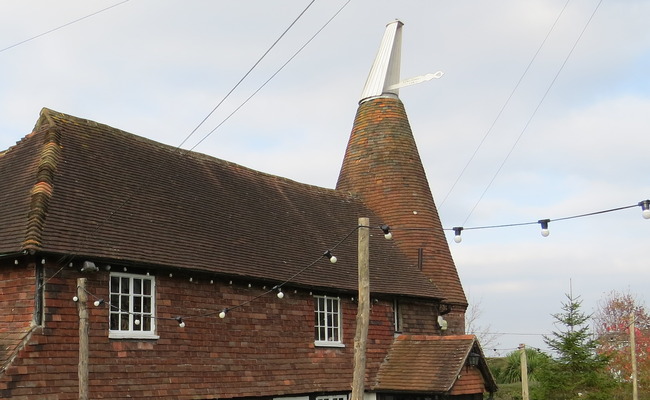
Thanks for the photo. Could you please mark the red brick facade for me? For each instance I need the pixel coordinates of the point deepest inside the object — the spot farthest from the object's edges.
(264, 348)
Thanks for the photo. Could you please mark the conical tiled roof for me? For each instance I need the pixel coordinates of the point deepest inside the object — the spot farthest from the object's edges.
(382, 165)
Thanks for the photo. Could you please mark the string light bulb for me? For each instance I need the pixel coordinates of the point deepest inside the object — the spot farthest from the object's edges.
(75, 299)
(387, 234)
(180, 321)
(98, 302)
(136, 322)
(223, 313)
(645, 208)
(544, 225)
(457, 231)
(280, 294)
(330, 256)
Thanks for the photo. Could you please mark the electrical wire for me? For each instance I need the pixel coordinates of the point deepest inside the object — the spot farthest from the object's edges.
(246, 74)
(271, 77)
(534, 113)
(142, 186)
(521, 78)
(62, 26)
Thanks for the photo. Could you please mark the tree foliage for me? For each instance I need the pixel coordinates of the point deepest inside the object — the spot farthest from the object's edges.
(612, 325)
(511, 370)
(576, 371)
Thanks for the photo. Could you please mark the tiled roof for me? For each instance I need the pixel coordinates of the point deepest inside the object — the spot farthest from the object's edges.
(382, 165)
(432, 364)
(74, 186)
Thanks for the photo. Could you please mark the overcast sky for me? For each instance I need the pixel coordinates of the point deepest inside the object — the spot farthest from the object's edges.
(573, 137)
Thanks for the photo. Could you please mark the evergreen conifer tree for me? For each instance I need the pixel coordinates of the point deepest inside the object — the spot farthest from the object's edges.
(576, 371)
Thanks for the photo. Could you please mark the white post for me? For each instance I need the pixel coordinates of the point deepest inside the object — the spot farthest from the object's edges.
(524, 372)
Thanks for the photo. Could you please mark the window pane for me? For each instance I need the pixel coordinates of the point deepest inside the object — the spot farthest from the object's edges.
(147, 287)
(146, 304)
(124, 322)
(115, 321)
(115, 284)
(137, 286)
(146, 323)
(125, 285)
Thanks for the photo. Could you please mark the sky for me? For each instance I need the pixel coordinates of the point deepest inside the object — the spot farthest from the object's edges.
(543, 112)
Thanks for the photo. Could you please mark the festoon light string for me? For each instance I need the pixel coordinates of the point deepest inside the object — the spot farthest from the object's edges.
(328, 254)
(544, 223)
(387, 231)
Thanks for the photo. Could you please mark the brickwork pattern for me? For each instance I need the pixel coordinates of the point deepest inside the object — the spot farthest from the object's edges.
(265, 348)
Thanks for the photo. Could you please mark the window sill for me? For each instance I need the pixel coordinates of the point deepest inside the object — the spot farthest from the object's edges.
(133, 335)
(328, 344)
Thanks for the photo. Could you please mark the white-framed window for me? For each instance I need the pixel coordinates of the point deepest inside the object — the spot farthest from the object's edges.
(132, 306)
(327, 324)
(333, 397)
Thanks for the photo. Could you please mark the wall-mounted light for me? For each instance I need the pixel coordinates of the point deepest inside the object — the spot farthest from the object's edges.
(89, 266)
(544, 224)
(442, 323)
(386, 230)
(473, 359)
(330, 256)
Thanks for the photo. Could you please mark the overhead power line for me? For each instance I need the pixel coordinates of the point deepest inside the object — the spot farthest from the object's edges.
(63, 26)
(247, 73)
(525, 128)
(521, 78)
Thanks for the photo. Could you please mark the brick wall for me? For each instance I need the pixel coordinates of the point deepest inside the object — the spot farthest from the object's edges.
(16, 307)
(263, 348)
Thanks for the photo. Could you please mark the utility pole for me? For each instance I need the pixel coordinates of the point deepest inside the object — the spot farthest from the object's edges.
(524, 372)
(363, 311)
(635, 390)
(82, 299)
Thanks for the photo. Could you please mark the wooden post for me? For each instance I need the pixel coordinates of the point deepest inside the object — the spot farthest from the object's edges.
(524, 372)
(635, 390)
(363, 311)
(83, 338)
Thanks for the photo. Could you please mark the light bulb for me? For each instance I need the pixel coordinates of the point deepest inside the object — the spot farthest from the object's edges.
(645, 207)
(330, 256)
(280, 294)
(75, 299)
(98, 302)
(182, 324)
(457, 231)
(136, 321)
(544, 224)
(387, 234)
(222, 314)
